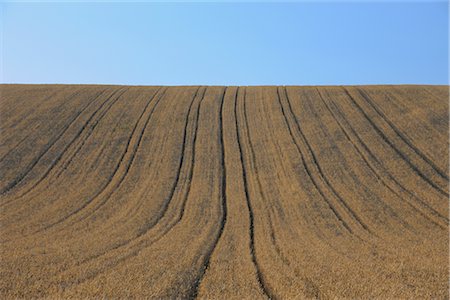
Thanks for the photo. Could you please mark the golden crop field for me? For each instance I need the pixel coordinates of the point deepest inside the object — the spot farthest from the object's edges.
(224, 192)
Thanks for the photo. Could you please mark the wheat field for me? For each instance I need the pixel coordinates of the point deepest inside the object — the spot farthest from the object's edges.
(224, 192)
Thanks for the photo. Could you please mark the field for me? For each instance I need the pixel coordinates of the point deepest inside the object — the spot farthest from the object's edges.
(218, 193)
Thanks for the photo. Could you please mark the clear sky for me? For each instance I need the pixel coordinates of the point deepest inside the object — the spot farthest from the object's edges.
(373, 42)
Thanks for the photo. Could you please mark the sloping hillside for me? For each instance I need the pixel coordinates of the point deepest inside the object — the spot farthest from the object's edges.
(214, 192)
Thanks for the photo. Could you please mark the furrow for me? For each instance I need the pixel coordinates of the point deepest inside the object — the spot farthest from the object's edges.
(380, 174)
(318, 168)
(401, 154)
(262, 283)
(25, 172)
(198, 280)
(86, 127)
(402, 136)
(15, 146)
(55, 161)
(21, 176)
(181, 163)
(284, 279)
(162, 228)
(92, 167)
(166, 223)
(117, 177)
(195, 192)
(182, 166)
(83, 140)
(349, 169)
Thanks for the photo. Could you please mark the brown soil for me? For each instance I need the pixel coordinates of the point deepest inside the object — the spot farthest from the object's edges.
(219, 193)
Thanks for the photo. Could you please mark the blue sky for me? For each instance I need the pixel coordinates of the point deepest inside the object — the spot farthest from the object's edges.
(301, 43)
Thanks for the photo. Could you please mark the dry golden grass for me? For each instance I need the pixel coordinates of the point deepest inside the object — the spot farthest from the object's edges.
(224, 193)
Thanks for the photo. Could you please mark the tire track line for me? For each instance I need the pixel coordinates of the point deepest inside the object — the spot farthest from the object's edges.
(194, 290)
(165, 205)
(387, 141)
(191, 169)
(85, 138)
(181, 163)
(199, 278)
(142, 244)
(124, 163)
(15, 147)
(293, 274)
(262, 284)
(77, 137)
(403, 137)
(273, 239)
(21, 176)
(350, 171)
(182, 188)
(112, 133)
(322, 176)
(374, 170)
